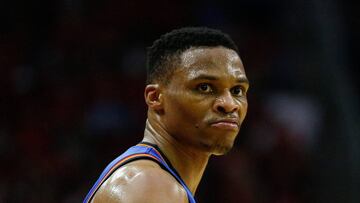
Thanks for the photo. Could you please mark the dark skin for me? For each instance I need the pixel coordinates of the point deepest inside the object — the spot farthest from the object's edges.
(196, 115)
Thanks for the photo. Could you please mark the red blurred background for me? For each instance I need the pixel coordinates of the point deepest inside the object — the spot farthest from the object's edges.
(72, 75)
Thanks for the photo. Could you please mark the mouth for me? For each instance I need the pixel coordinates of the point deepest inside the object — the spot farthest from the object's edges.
(226, 124)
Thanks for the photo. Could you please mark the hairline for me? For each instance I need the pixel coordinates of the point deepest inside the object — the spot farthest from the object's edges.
(175, 60)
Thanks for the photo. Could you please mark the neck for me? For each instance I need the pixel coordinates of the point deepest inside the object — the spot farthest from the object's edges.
(188, 162)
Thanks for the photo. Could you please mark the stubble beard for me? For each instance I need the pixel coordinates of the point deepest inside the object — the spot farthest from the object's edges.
(220, 146)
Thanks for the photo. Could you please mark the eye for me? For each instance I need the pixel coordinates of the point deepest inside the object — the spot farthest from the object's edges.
(238, 91)
(204, 87)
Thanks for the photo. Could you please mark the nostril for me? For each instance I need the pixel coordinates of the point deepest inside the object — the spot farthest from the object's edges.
(221, 109)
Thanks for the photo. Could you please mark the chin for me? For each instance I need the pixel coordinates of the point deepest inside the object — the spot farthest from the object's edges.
(217, 142)
(218, 148)
(221, 150)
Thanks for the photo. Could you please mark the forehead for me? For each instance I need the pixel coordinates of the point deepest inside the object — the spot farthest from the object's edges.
(218, 60)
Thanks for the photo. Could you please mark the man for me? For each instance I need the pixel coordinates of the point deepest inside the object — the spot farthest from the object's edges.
(196, 97)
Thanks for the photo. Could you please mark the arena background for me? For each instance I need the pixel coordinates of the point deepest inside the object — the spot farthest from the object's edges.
(72, 75)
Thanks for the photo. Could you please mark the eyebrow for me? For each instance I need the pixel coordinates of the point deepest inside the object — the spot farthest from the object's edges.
(241, 79)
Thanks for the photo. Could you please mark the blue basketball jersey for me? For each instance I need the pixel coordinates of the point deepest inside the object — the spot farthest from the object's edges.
(142, 150)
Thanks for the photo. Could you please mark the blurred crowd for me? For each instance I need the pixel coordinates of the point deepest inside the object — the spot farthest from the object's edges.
(72, 77)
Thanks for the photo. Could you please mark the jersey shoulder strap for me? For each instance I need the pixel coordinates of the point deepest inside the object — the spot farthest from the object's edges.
(141, 151)
(166, 165)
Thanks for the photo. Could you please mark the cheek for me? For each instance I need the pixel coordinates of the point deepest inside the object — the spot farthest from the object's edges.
(243, 109)
(187, 110)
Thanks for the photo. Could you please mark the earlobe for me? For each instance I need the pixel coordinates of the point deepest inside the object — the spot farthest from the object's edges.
(153, 97)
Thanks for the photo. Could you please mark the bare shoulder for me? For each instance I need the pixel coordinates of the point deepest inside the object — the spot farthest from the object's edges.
(141, 181)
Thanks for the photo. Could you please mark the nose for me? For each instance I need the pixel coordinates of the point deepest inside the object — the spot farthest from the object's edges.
(226, 104)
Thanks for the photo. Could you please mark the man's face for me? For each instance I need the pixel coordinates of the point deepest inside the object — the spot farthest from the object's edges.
(205, 101)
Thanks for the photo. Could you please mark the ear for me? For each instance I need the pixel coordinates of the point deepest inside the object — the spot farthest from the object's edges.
(153, 97)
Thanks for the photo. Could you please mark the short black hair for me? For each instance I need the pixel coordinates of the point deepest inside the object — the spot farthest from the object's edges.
(162, 54)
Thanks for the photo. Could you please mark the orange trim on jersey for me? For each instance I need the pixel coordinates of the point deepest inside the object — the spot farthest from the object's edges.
(111, 170)
(149, 146)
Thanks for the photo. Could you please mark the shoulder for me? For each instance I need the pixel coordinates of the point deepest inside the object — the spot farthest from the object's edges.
(141, 181)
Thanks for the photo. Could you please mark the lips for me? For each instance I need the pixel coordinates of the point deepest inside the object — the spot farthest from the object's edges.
(226, 124)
